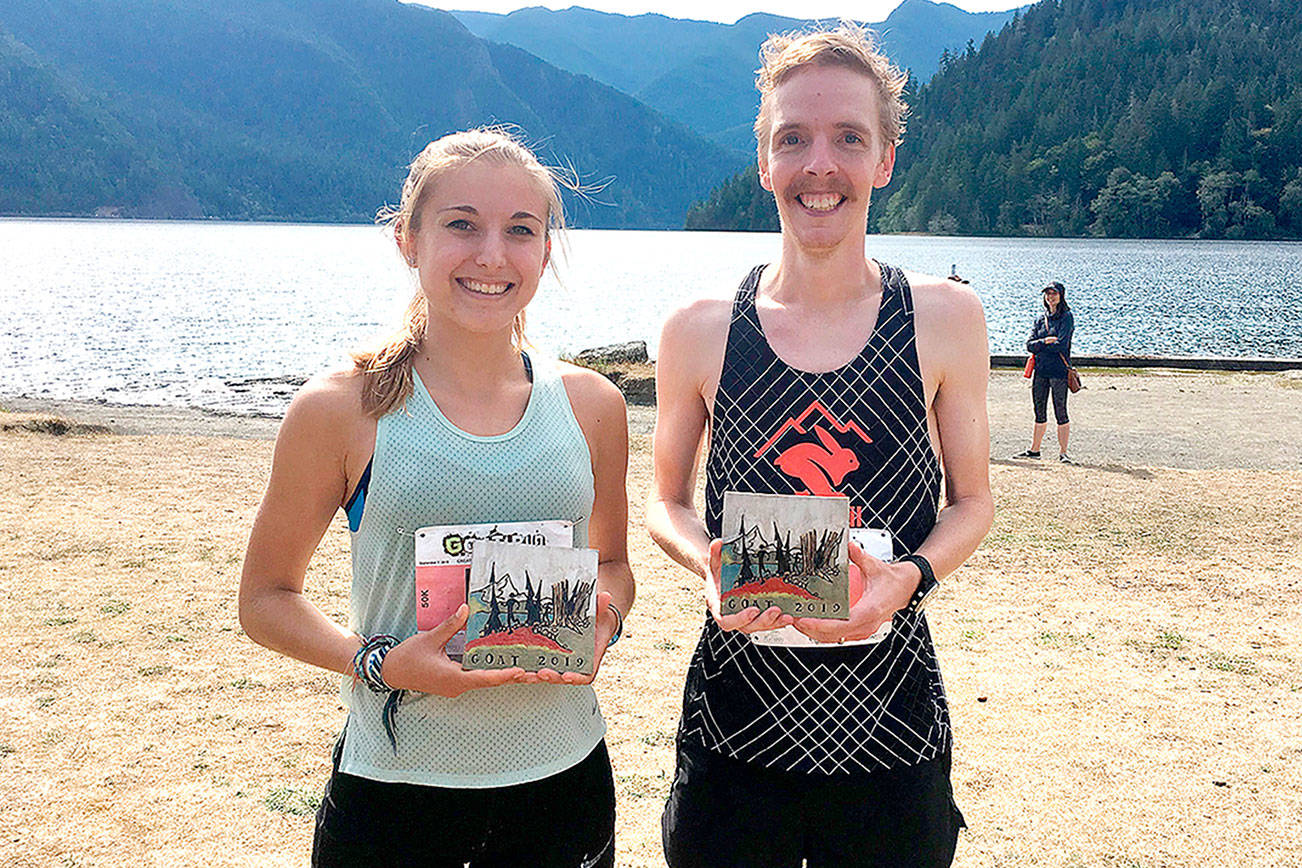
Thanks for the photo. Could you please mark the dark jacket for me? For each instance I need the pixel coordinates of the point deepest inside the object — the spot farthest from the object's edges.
(1047, 362)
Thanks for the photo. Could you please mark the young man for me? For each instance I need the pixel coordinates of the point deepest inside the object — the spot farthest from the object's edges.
(805, 740)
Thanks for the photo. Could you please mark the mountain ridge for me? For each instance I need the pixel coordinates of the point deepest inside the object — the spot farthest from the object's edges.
(1114, 118)
(626, 52)
(276, 109)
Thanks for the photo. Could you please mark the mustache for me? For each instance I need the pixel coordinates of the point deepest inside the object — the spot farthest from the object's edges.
(831, 185)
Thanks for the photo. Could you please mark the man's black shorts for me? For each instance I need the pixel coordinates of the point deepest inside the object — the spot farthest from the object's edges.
(724, 813)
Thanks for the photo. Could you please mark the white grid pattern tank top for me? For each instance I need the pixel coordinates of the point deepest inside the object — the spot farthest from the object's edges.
(426, 471)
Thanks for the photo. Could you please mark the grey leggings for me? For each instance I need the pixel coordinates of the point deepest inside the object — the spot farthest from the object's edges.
(1040, 389)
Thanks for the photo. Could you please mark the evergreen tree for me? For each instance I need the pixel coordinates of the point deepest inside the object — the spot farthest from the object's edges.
(744, 575)
(783, 553)
(532, 602)
(494, 623)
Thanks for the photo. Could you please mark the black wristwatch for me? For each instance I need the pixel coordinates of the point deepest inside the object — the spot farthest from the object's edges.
(927, 585)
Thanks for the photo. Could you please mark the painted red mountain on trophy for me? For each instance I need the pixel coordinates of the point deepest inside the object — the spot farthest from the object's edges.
(516, 636)
(819, 461)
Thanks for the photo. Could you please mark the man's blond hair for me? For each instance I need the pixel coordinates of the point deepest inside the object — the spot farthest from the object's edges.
(849, 46)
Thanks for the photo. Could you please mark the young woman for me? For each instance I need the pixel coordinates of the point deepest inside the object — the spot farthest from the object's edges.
(1050, 343)
(450, 422)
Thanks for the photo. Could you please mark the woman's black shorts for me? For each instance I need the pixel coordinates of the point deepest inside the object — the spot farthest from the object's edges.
(1040, 389)
(563, 821)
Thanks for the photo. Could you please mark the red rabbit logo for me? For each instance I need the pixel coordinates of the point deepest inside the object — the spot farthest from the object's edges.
(819, 467)
(822, 465)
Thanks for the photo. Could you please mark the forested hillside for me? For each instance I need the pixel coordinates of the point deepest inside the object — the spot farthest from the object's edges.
(1123, 118)
(739, 203)
(299, 110)
(1115, 117)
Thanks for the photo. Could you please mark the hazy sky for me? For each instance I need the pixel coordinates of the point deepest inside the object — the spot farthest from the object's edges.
(728, 11)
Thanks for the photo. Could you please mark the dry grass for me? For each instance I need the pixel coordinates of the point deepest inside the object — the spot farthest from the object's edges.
(1122, 658)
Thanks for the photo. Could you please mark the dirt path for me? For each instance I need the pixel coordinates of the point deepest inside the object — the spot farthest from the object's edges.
(1163, 419)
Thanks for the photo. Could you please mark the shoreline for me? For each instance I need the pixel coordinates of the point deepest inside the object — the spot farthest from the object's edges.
(635, 379)
(1124, 419)
(148, 419)
(740, 230)
(1245, 364)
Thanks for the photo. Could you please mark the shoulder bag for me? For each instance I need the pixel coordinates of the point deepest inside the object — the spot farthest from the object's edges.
(1073, 376)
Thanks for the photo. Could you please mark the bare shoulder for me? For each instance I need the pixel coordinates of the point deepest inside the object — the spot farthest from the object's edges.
(944, 304)
(701, 319)
(598, 407)
(692, 345)
(326, 414)
(334, 398)
(591, 393)
(951, 332)
(700, 314)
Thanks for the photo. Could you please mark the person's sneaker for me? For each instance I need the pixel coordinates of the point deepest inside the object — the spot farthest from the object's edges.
(1027, 454)
(1065, 458)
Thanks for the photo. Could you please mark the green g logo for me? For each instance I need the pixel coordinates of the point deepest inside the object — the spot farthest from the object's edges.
(454, 545)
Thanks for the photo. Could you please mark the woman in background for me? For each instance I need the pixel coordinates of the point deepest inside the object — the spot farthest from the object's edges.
(1050, 344)
(450, 422)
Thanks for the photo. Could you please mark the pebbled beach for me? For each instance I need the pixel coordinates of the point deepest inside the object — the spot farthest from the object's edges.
(1123, 655)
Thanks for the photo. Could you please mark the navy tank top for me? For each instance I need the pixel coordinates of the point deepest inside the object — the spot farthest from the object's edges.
(827, 710)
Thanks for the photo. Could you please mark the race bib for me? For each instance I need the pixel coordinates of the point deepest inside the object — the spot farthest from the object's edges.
(443, 564)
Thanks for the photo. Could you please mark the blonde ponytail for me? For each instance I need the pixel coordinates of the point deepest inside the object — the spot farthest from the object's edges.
(386, 368)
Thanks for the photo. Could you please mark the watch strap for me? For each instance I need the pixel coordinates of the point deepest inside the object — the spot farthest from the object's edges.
(926, 585)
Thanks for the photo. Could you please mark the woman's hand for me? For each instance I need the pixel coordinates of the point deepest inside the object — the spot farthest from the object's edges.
(607, 623)
(1051, 339)
(421, 663)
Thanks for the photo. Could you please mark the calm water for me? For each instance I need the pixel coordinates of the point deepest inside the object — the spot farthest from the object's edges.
(187, 313)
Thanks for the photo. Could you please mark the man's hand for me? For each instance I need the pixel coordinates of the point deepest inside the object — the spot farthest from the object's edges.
(421, 663)
(1051, 339)
(887, 589)
(748, 620)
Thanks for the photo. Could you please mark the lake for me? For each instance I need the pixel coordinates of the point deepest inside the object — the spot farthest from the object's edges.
(186, 313)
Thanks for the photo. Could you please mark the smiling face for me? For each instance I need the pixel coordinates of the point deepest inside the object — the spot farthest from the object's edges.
(1051, 299)
(480, 245)
(825, 155)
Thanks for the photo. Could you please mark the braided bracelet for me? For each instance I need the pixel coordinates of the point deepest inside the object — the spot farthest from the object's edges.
(368, 663)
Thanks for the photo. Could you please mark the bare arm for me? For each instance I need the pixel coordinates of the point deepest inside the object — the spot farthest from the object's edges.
(308, 483)
(687, 370)
(322, 448)
(600, 409)
(963, 429)
(681, 418)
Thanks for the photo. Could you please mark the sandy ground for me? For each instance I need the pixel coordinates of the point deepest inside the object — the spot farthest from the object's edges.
(1123, 655)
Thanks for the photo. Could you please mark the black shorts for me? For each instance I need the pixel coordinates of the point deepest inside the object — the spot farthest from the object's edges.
(1041, 387)
(563, 821)
(724, 813)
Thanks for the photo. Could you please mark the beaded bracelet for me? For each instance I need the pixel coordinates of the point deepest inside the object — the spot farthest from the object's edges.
(368, 664)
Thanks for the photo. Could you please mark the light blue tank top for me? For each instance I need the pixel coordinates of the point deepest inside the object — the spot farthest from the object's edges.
(426, 471)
